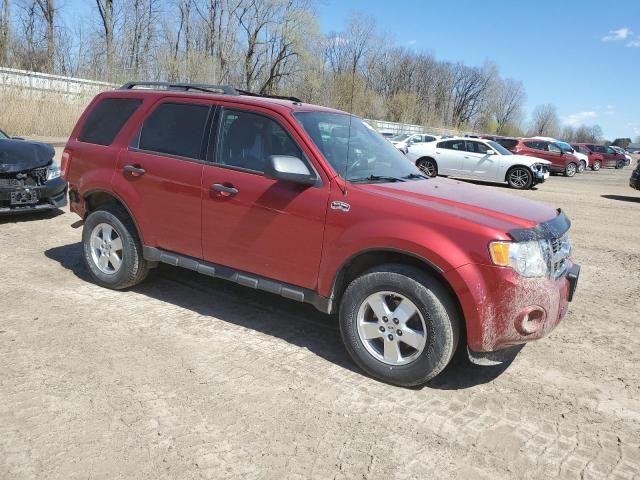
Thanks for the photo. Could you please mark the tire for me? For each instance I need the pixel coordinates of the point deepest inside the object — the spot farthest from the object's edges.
(123, 242)
(570, 170)
(434, 327)
(520, 178)
(596, 165)
(582, 166)
(619, 165)
(428, 166)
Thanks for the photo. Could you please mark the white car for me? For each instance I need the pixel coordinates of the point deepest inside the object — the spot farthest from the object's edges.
(582, 158)
(478, 159)
(403, 141)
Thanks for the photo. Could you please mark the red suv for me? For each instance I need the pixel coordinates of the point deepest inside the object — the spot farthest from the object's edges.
(314, 205)
(561, 161)
(610, 158)
(595, 159)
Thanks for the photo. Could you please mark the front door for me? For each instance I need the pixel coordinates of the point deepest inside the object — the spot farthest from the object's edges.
(478, 163)
(251, 223)
(159, 176)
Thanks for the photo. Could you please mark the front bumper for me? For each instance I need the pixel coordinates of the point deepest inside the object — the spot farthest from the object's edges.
(51, 195)
(503, 309)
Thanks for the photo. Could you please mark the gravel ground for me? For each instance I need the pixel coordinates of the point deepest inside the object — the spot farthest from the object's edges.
(189, 377)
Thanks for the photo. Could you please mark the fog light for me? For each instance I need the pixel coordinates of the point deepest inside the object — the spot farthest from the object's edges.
(530, 320)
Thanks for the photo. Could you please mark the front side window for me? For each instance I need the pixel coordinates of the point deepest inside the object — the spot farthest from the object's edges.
(175, 129)
(477, 147)
(534, 145)
(354, 149)
(247, 140)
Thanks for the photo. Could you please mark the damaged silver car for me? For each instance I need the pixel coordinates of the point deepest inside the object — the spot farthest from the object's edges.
(29, 179)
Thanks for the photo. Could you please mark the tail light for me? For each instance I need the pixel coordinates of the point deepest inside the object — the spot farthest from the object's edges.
(64, 165)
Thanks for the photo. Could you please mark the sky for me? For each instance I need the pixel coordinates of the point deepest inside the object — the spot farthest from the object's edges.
(581, 55)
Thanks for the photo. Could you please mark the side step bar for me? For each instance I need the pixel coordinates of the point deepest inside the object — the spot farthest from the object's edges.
(245, 279)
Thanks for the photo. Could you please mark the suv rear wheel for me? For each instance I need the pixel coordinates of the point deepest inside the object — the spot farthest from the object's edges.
(399, 324)
(112, 249)
(570, 170)
(596, 165)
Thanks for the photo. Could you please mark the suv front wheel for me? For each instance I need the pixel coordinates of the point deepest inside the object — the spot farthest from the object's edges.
(570, 170)
(112, 249)
(399, 324)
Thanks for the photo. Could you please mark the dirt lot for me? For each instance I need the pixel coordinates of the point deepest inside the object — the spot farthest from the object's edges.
(189, 377)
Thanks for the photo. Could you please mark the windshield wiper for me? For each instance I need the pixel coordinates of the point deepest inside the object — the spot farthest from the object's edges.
(415, 176)
(376, 178)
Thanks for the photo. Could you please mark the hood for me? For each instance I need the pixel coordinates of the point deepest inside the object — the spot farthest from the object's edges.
(527, 160)
(474, 203)
(20, 155)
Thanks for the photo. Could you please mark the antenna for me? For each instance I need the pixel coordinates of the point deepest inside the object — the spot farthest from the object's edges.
(346, 164)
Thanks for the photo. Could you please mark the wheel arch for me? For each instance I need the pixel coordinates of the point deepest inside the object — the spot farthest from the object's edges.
(97, 198)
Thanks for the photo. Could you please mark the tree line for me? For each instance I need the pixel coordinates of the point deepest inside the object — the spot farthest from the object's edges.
(271, 46)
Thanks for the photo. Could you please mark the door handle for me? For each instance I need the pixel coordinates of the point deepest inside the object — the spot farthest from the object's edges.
(224, 190)
(133, 170)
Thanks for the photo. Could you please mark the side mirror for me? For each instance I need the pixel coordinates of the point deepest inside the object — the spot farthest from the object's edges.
(288, 169)
(491, 152)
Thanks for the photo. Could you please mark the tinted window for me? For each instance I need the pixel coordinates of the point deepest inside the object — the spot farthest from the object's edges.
(247, 140)
(428, 138)
(106, 119)
(535, 145)
(611, 151)
(552, 147)
(453, 145)
(175, 129)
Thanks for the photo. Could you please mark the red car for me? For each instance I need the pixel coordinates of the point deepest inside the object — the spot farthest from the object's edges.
(609, 157)
(595, 159)
(561, 161)
(313, 205)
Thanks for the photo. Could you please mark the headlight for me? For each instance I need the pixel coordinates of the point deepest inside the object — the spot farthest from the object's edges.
(529, 259)
(53, 172)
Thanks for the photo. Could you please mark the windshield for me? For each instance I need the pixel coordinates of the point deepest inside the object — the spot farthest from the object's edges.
(3, 135)
(499, 148)
(400, 138)
(370, 157)
(564, 146)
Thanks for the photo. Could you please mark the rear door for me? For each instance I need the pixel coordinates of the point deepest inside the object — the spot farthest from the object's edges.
(161, 173)
(478, 163)
(251, 223)
(450, 156)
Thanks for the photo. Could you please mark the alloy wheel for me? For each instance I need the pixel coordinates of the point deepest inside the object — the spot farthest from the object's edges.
(519, 177)
(428, 168)
(391, 328)
(106, 248)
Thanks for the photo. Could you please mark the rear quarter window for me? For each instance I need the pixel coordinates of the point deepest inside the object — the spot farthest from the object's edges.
(106, 120)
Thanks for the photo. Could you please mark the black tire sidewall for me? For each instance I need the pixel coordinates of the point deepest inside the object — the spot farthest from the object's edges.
(130, 255)
(435, 307)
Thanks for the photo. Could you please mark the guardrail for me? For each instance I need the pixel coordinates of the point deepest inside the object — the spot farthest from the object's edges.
(43, 82)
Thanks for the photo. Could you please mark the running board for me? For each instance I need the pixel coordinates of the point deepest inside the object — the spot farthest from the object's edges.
(245, 279)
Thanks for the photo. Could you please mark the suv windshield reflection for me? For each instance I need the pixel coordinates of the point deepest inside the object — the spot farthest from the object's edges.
(354, 149)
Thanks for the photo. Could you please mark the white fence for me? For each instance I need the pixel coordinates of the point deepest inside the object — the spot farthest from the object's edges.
(396, 128)
(42, 82)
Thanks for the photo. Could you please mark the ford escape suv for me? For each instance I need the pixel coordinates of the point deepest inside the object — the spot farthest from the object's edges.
(312, 204)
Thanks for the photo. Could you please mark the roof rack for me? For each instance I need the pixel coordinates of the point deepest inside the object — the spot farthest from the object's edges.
(201, 87)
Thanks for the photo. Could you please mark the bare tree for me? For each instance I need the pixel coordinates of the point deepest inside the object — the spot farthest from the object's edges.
(469, 86)
(545, 120)
(105, 7)
(507, 104)
(48, 12)
(4, 31)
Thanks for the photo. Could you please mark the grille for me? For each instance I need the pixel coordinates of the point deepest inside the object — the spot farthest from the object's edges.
(28, 178)
(561, 250)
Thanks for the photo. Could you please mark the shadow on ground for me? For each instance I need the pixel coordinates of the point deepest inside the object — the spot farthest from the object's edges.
(622, 198)
(30, 217)
(299, 324)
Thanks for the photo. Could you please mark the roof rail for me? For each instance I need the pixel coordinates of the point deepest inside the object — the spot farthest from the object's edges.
(200, 87)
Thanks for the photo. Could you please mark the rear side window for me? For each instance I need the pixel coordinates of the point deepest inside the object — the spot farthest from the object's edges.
(175, 129)
(535, 145)
(507, 143)
(106, 119)
(453, 145)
